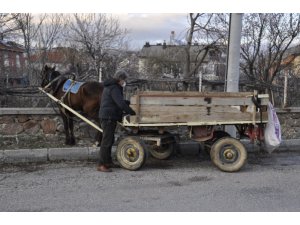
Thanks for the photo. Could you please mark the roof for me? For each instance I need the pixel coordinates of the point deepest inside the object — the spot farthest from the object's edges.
(295, 50)
(11, 46)
(56, 55)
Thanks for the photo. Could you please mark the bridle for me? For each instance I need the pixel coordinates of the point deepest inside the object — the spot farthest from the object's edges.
(48, 79)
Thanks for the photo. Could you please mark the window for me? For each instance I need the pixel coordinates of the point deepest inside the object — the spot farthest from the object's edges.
(6, 60)
(18, 64)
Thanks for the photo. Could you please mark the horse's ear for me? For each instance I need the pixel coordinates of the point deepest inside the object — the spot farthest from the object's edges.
(46, 67)
(53, 68)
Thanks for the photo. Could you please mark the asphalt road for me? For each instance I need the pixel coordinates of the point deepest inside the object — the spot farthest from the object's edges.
(185, 183)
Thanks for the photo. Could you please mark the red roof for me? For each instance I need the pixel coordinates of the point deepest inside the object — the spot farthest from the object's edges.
(57, 55)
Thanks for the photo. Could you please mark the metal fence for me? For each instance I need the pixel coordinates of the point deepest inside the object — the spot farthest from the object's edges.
(31, 97)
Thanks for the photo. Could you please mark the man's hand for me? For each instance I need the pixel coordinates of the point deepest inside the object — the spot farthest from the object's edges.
(127, 102)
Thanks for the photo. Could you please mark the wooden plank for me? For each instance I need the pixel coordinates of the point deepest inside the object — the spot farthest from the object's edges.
(217, 118)
(172, 118)
(150, 100)
(195, 94)
(162, 110)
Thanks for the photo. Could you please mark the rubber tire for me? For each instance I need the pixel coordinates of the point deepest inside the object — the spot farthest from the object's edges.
(218, 134)
(139, 148)
(238, 148)
(162, 154)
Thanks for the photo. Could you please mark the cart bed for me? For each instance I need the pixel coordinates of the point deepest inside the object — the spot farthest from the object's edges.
(157, 108)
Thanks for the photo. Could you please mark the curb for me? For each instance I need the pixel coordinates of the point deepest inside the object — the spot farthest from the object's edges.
(91, 153)
(48, 155)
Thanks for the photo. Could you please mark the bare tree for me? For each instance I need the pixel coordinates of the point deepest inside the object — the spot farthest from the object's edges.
(96, 35)
(265, 40)
(50, 34)
(29, 30)
(207, 31)
(7, 25)
(29, 27)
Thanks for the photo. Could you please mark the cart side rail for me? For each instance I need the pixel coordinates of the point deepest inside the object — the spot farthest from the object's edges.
(196, 109)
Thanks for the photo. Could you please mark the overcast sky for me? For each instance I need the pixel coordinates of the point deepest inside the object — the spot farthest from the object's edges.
(151, 20)
(153, 27)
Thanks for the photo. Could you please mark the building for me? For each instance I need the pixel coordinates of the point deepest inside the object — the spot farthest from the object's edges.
(13, 62)
(60, 57)
(164, 60)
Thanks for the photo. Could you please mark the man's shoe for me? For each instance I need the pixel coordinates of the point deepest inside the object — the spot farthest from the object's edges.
(104, 168)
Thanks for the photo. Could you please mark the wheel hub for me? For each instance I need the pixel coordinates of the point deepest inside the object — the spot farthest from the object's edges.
(131, 154)
(229, 154)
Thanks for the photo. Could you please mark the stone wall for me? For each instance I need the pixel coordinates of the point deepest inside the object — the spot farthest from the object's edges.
(290, 122)
(43, 127)
(38, 127)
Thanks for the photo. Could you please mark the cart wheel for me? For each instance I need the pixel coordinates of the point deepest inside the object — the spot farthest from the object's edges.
(131, 153)
(228, 154)
(162, 152)
(218, 134)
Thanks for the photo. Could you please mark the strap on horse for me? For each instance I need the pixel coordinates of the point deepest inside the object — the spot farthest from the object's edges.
(68, 94)
(51, 82)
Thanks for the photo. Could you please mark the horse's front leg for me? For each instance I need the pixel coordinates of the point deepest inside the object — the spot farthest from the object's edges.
(71, 128)
(66, 127)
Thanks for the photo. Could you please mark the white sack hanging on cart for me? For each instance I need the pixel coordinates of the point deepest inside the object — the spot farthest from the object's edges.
(272, 130)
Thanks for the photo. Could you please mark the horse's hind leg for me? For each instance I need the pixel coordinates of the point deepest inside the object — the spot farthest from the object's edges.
(66, 127)
(99, 134)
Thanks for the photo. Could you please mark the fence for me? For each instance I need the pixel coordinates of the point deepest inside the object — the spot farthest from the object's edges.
(31, 96)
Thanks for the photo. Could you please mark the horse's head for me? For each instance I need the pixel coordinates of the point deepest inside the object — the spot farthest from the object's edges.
(48, 75)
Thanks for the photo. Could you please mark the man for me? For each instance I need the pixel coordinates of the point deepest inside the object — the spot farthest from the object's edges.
(112, 108)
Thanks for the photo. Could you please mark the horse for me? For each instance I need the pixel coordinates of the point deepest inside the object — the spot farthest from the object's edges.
(87, 99)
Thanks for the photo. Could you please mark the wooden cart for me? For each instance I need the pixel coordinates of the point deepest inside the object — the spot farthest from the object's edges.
(201, 113)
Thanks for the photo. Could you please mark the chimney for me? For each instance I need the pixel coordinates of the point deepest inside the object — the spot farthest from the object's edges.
(172, 38)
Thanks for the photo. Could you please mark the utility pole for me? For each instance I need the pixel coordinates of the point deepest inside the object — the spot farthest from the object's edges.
(200, 81)
(286, 75)
(233, 60)
(100, 72)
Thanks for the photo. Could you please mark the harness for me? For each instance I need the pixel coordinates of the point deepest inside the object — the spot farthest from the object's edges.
(67, 92)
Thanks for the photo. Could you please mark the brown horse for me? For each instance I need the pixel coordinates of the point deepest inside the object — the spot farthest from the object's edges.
(87, 99)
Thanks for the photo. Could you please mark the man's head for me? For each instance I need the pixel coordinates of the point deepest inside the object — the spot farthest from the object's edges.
(120, 76)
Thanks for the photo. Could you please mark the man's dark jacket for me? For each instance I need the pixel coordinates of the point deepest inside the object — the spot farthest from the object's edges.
(112, 102)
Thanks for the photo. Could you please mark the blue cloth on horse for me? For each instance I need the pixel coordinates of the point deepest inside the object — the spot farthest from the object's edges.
(74, 88)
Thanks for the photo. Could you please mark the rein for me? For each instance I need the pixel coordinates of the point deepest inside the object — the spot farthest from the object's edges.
(57, 78)
(51, 82)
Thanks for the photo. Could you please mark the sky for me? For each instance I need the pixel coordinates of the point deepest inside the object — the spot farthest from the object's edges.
(151, 20)
(153, 27)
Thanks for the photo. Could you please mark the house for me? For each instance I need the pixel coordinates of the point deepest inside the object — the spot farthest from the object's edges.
(289, 77)
(13, 62)
(60, 57)
(166, 60)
